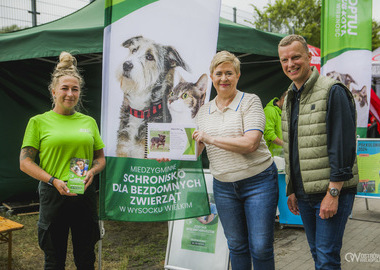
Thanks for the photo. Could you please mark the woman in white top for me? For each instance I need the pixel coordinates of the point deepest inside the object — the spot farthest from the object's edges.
(245, 184)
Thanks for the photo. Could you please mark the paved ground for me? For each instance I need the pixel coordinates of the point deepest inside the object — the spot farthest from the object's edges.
(361, 241)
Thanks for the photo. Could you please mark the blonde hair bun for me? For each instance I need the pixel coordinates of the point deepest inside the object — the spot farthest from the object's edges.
(67, 66)
(67, 61)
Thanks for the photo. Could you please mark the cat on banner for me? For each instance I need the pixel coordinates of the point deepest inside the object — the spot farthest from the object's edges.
(153, 72)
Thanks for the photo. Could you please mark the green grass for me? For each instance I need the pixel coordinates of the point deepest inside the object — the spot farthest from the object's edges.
(126, 245)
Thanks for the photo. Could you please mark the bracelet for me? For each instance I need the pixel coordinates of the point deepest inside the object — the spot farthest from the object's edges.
(50, 182)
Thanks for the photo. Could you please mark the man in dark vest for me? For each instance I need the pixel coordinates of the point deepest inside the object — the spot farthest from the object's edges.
(319, 133)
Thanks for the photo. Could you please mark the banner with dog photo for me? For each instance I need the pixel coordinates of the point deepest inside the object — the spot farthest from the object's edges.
(346, 50)
(156, 57)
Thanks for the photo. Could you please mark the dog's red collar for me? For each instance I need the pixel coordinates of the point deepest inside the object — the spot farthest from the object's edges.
(143, 114)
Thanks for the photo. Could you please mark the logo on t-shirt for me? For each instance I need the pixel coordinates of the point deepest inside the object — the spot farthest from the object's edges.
(85, 130)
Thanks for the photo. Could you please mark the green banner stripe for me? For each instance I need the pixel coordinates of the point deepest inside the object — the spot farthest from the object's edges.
(345, 24)
(117, 9)
(335, 54)
(190, 146)
(109, 3)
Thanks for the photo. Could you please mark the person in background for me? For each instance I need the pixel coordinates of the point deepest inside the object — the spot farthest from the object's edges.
(319, 133)
(273, 132)
(57, 137)
(373, 127)
(245, 184)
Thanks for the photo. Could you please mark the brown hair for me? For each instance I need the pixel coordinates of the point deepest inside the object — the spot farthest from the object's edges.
(291, 38)
(222, 57)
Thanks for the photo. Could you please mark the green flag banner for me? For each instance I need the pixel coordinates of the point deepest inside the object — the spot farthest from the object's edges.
(145, 190)
(346, 38)
(152, 52)
(117, 9)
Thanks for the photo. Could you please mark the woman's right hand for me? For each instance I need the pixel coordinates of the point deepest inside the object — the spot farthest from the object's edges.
(62, 188)
(202, 137)
(198, 138)
(27, 165)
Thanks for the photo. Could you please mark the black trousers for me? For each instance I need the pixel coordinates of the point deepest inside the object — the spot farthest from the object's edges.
(75, 215)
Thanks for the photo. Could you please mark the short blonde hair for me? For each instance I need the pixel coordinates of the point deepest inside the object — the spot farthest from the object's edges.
(67, 66)
(224, 56)
(286, 41)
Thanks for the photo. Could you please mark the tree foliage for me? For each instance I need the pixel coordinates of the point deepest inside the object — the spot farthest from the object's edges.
(301, 17)
(8, 29)
(375, 35)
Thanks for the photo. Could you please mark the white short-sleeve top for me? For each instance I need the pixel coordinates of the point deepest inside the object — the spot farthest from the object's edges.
(243, 114)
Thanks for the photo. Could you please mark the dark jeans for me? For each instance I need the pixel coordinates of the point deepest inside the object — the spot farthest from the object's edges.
(73, 213)
(247, 210)
(325, 235)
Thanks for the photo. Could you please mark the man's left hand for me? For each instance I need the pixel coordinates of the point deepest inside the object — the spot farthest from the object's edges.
(329, 206)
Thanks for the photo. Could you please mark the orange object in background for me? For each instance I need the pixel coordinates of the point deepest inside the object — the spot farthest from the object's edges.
(6, 228)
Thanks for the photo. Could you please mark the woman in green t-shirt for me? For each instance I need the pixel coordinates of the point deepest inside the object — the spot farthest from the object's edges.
(60, 138)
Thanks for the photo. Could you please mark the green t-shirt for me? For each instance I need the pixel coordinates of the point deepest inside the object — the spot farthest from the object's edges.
(59, 138)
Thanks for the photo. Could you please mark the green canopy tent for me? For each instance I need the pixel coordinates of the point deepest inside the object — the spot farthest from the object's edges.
(27, 58)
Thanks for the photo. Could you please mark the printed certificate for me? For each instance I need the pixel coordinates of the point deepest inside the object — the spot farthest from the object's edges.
(171, 140)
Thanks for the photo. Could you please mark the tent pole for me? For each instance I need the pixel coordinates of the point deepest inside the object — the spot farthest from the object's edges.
(34, 12)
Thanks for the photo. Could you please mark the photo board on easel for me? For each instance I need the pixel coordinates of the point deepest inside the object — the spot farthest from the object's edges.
(368, 158)
(198, 243)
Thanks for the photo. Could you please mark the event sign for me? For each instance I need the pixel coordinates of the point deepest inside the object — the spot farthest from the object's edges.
(346, 42)
(145, 191)
(368, 156)
(156, 55)
(199, 234)
(198, 243)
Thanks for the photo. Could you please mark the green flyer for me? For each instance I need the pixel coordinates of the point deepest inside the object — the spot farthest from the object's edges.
(77, 173)
(199, 234)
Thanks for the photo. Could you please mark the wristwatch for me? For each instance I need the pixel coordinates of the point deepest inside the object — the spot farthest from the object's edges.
(51, 180)
(334, 192)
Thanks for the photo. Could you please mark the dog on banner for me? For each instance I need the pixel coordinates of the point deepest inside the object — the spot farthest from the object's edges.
(146, 78)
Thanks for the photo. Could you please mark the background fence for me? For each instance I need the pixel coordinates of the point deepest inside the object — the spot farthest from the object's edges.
(20, 14)
(28, 13)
